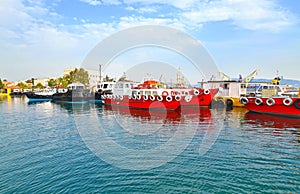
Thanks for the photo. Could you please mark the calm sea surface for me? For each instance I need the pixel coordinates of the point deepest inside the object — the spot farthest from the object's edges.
(89, 148)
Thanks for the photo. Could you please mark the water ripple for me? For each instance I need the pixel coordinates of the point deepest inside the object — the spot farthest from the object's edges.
(42, 152)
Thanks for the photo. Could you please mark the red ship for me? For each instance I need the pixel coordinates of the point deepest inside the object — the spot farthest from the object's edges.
(152, 94)
(284, 106)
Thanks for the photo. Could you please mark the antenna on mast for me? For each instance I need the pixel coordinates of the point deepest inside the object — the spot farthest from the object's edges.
(100, 69)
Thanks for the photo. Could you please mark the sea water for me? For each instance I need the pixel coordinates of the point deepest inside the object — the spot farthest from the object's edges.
(91, 148)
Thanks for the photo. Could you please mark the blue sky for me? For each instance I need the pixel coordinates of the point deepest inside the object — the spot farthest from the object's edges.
(40, 38)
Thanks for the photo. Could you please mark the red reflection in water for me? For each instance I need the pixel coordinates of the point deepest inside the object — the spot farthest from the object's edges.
(201, 115)
(272, 120)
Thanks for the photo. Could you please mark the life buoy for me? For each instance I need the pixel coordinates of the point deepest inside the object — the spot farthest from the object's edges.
(296, 103)
(270, 101)
(177, 98)
(164, 93)
(177, 92)
(184, 93)
(169, 98)
(159, 98)
(196, 92)
(152, 97)
(287, 101)
(206, 91)
(145, 97)
(258, 101)
(244, 100)
(138, 97)
(188, 98)
(172, 93)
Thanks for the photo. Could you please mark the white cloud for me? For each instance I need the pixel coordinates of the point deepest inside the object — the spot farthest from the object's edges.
(111, 2)
(181, 4)
(130, 8)
(17, 19)
(92, 2)
(252, 15)
(102, 2)
(131, 21)
(32, 26)
(142, 10)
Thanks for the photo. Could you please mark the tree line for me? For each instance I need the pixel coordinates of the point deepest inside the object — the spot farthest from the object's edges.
(77, 75)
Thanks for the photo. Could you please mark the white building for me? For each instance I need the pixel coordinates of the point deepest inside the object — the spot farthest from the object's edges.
(94, 77)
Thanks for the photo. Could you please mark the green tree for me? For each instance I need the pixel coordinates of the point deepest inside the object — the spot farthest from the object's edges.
(22, 85)
(64, 81)
(1, 84)
(52, 82)
(29, 81)
(80, 75)
(39, 85)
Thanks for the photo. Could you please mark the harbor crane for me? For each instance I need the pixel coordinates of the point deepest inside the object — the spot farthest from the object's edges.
(245, 80)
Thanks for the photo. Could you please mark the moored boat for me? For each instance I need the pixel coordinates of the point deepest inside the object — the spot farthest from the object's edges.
(152, 94)
(75, 93)
(16, 93)
(45, 95)
(32, 96)
(276, 105)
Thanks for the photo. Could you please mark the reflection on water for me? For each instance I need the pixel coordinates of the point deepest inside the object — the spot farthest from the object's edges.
(1, 99)
(72, 108)
(271, 121)
(43, 152)
(202, 115)
(272, 124)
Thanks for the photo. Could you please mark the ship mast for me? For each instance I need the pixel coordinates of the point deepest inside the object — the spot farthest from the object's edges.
(178, 78)
(100, 75)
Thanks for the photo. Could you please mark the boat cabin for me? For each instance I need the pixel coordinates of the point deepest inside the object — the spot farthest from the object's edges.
(75, 86)
(232, 89)
(268, 90)
(117, 88)
(105, 86)
(123, 88)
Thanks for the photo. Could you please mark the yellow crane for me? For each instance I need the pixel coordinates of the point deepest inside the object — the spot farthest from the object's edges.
(251, 76)
(246, 79)
(224, 76)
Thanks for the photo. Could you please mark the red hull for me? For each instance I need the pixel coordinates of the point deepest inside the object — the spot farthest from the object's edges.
(276, 108)
(202, 99)
(144, 104)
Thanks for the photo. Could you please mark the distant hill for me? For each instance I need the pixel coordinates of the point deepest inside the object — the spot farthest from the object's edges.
(294, 83)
